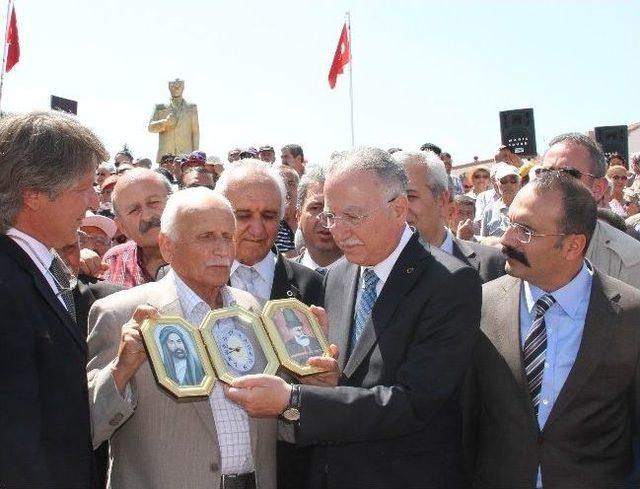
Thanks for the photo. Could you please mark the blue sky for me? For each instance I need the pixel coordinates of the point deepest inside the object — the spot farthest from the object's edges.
(422, 71)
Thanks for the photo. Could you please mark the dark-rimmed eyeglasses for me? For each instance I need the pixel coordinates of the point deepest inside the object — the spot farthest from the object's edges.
(329, 220)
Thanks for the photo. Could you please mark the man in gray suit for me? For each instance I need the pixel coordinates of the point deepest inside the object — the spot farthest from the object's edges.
(551, 399)
(156, 441)
(428, 208)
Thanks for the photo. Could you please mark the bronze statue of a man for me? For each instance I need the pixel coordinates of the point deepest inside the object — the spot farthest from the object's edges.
(176, 123)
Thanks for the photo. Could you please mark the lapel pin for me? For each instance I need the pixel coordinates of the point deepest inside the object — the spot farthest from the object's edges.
(289, 293)
(410, 270)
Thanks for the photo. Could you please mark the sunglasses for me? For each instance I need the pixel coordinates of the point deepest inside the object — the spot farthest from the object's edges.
(482, 176)
(619, 177)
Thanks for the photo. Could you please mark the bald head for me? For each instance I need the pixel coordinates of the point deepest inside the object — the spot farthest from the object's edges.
(134, 178)
(183, 205)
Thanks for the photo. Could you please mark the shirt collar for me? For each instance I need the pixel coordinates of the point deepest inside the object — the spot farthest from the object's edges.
(447, 244)
(569, 297)
(38, 252)
(308, 262)
(265, 267)
(383, 269)
(189, 300)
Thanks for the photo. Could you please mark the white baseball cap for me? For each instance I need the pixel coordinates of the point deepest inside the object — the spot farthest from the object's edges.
(96, 220)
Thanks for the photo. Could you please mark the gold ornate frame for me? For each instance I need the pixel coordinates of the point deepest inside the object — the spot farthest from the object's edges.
(273, 307)
(219, 364)
(148, 329)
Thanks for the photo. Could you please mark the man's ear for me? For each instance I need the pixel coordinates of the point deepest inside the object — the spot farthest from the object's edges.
(34, 199)
(166, 247)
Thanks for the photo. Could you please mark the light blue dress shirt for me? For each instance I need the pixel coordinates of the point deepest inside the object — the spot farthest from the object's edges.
(564, 323)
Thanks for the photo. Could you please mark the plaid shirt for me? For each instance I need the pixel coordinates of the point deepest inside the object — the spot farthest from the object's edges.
(125, 266)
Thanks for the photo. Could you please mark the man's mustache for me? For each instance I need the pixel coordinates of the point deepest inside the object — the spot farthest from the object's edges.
(179, 352)
(515, 255)
(144, 226)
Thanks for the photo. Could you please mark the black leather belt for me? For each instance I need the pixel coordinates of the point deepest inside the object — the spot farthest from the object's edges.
(238, 481)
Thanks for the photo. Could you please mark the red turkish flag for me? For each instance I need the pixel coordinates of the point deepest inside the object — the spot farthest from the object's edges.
(13, 53)
(341, 58)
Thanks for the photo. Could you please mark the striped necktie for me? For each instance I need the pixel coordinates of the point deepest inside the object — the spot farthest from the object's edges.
(367, 299)
(63, 286)
(535, 349)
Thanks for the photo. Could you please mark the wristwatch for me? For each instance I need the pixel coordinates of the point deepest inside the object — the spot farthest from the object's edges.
(292, 413)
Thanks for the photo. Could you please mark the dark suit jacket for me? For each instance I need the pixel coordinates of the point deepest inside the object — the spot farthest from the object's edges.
(486, 260)
(45, 438)
(586, 442)
(293, 280)
(89, 290)
(394, 421)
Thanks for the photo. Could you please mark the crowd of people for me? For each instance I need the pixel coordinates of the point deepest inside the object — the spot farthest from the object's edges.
(483, 327)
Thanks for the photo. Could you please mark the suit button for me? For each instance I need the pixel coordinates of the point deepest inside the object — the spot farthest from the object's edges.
(214, 467)
(540, 440)
(325, 469)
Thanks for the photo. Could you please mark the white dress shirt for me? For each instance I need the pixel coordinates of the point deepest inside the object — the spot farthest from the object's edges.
(383, 269)
(231, 421)
(261, 286)
(308, 262)
(39, 254)
(447, 244)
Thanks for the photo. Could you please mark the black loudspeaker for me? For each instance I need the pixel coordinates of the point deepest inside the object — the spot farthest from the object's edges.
(613, 139)
(64, 105)
(518, 131)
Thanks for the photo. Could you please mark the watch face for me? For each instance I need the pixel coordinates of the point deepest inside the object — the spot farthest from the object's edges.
(236, 348)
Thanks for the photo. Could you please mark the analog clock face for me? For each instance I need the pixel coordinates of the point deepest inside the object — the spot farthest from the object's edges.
(236, 348)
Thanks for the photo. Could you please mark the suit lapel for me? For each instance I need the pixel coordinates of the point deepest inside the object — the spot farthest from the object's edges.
(466, 254)
(503, 329)
(283, 286)
(601, 315)
(83, 298)
(345, 289)
(44, 289)
(411, 264)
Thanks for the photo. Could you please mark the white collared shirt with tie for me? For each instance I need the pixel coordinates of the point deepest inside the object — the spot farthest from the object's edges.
(232, 422)
(257, 282)
(40, 255)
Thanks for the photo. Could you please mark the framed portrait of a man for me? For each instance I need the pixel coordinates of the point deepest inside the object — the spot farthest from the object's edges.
(295, 334)
(237, 344)
(178, 357)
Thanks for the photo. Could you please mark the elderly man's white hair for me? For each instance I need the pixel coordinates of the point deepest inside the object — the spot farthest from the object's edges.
(185, 199)
(376, 160)
(250, 167)
(433, 166)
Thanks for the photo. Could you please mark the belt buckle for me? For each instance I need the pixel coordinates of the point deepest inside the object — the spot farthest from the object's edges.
(235, 481)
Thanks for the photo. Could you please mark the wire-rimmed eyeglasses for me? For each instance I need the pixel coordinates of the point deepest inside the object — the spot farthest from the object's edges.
(524, 234)
(329, 220)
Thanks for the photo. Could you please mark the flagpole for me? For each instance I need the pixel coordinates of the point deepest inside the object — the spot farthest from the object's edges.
(348, 21)
(5, 49)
